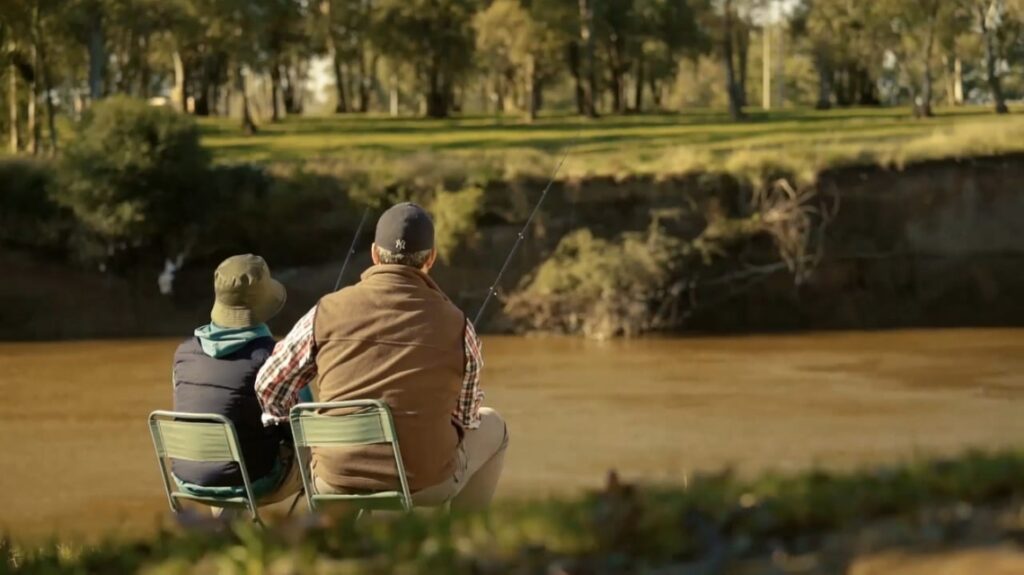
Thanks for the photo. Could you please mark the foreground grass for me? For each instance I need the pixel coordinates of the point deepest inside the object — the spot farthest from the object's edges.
(623, 529)
(802, 141)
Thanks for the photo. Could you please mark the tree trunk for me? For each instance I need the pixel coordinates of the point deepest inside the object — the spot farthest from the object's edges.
(145, 74)
(437, 100)
(923, 104)
(532, 89)
(867, 91)
(44, 67)
(742, 57)
(958, 82)
(995, 84)
(179, 94)
(538, 94)
(97, 56)
(574, 69)
(393, 96)
(587, 61)
(248, 125)
(655, 93)
(824, 70)
(32, 122)
(365, 82)
(341, 106)
(638, 89)
(735, 102)
(616, 57)
(12, 101)
(275, 92)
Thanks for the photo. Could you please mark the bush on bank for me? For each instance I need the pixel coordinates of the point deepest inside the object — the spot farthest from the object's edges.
(135, 186)
(30, 218)
(135, 177)
(621, 529)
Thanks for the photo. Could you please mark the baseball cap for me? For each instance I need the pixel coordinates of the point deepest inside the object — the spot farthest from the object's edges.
(405, 228)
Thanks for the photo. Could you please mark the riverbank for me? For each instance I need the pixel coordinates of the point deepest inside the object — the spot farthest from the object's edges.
(959, 517)
(932, 244)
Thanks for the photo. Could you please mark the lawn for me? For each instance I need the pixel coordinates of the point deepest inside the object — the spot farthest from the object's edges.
(805, 140)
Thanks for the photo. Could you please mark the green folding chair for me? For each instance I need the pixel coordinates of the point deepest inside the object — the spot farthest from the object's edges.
(370, 423)
(203, 437)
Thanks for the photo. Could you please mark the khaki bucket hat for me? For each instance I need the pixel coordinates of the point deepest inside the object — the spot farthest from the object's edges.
(244, 293)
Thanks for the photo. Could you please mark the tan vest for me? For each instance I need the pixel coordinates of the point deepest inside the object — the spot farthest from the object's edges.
(394, 336)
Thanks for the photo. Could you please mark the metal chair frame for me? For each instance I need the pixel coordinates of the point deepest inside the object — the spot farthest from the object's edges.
(371, 424)
(197, 437)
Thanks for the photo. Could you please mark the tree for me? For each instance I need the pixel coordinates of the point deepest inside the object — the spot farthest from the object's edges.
(999, 23)
(347, 41)
(134, 176)
(517, 50)
(434, 38)
(727, 41)
(587, 64)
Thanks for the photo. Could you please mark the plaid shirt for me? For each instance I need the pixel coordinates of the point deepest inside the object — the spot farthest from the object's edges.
(292, 367)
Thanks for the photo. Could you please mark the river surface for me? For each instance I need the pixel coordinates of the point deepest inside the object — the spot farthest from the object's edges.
(76, 457)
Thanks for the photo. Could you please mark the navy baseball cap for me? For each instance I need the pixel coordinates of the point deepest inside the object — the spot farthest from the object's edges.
(405, 228)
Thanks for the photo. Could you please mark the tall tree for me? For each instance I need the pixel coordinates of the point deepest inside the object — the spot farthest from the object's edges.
(995, 23)
(587, 60)
(727, 40)
(516, 49)
(433, 37)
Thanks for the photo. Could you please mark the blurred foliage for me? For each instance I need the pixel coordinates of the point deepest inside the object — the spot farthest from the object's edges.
(599, 287)
(455, 215)
(624, 528)
(642, 282)
(136, 177)
(29, 216)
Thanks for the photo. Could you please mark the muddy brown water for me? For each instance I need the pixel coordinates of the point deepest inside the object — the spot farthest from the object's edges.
(76, 458)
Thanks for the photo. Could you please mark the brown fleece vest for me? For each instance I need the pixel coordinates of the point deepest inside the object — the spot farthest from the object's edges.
(394, 336)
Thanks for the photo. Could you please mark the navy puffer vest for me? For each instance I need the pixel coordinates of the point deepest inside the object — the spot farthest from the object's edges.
(225, 386)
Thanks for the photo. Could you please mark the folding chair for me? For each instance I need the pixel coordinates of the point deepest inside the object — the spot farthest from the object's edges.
(370, 423)
(199, 437)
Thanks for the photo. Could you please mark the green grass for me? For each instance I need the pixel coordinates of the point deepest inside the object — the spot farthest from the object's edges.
(802, 140)
(623, 529)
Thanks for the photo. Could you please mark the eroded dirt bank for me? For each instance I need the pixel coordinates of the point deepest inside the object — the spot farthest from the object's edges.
(934, 244)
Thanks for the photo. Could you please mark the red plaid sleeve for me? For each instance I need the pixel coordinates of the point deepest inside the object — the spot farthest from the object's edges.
(467, 412)
(291, 367)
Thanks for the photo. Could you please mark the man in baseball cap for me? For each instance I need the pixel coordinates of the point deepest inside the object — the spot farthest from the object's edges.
(395, 337)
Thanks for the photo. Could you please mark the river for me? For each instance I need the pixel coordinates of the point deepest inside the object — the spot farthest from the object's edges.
(76, 458)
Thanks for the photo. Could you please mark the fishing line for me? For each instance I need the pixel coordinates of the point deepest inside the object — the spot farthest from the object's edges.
(352, 247)
(493, 290)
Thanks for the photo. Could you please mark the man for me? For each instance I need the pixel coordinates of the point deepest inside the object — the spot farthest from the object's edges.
(395, 337)
(215, 372)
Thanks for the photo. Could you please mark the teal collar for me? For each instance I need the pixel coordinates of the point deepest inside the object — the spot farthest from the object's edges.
(220, 341)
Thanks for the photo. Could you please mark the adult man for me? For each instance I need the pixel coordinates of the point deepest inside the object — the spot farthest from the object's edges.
(215, 372)
(395, 337)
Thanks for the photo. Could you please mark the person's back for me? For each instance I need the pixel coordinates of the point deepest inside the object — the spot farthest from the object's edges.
(405, 347)
(211, 379)
(215, 372)
(395, 337)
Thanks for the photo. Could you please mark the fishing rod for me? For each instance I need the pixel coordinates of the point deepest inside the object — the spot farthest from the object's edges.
(352, 247)
(493, 290)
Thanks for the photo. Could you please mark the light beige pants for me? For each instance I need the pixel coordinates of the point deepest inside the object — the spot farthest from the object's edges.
(478, 466)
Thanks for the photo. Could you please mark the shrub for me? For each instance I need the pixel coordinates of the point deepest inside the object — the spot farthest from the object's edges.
(135, 176)
(455, 218)
(29, 216)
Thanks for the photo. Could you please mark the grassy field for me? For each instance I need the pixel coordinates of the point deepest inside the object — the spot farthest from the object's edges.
(803, 140)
